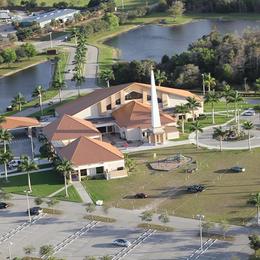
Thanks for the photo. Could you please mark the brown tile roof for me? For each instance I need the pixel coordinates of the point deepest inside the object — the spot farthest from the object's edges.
(96, 96)
(84, 150)
(135, 114)
(12, 122)
(67, 127)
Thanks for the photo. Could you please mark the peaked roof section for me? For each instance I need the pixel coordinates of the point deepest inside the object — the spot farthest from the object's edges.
(96, 96)
(84, 150)
(12, 122)
(135, 114)
(68, 127)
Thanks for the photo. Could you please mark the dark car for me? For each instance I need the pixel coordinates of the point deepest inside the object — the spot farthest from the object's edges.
(141, 196)
(36, 105)
(196, 188)
(238, 169)
(3, 205)
(35, 211)
(9, 108)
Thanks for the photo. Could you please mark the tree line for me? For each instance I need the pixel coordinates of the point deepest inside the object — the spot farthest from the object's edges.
(230, 58)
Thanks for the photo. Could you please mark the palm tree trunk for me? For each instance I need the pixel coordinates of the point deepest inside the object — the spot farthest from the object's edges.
(40, 101)
(29, 182)
(60, 95)
(193, 115)
(108, 84)
(220, 144)
(197, 139)
(213, 115)
(4, 146)
(227, 111)
(66, 188)
(182, 125)
(6, 177)
(78, 90)
(20, 107)
(249, 141)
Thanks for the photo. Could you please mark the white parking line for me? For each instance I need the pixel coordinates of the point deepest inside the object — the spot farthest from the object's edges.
(19, 228)
(72, 237)
(124, 252)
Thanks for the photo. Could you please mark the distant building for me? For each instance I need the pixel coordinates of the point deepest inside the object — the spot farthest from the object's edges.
(43, 19)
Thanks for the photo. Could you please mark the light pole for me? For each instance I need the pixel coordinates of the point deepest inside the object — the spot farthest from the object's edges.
(31, 141)
(203, 83)
(51, 39)
(200, 218)
(28, 204)
(9, 249)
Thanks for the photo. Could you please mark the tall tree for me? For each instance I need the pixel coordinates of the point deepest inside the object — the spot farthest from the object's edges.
(5, 137)
(39, 92)
(177, 9)
(209, 81)
(220, 133)
(226, 94)
(65, 168)
(254, 242)
(5, 158)
(196, 126)
(255, 200)
(160, 77)
(107, 75)
(27, 165)
(18, 101)
(182, 110)
(212, 98)
(192, 105)
(248, 125)
(59, 85)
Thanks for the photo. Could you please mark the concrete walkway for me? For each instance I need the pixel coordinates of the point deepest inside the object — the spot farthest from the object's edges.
(58, 191)
(82, 192)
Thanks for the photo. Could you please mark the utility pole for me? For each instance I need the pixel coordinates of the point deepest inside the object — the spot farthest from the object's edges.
(28, 205)
(51, 39)
(200, 218)
(203, 84)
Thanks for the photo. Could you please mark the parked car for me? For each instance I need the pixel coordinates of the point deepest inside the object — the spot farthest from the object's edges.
(9, 108)
(196, 188)
(238, 169)
(121, 242)
(3, 205)
(35, 211)
(141, 196)
(13, 164)
(36, 105)
(249, 113)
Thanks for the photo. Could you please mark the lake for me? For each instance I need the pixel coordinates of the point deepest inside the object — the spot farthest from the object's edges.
(25, 82)
(153, 41)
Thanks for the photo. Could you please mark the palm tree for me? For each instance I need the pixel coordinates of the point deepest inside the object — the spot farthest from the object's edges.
(5, 158)
(27, 165)
(212, 98)
(160, 77)
(18, 101)
(226, 93)
(65, 167)
(5, 137)
(78, 79)
(192, 105)
(59, 85)
(255, 200)
(196, 126)
(209, 81)
(236, 98)
(38, 92)
(107, 75)
(182, 110)
(220, 133)
(248, 125)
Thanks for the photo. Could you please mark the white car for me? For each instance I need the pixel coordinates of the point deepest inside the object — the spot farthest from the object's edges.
(249, 113)
(13, 164)
(121, 242)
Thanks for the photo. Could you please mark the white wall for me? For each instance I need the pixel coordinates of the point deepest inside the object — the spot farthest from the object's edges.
(134, 134)
(90, 112)
(173, 135)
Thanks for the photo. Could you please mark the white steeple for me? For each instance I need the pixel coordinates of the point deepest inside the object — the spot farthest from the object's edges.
(156, 120)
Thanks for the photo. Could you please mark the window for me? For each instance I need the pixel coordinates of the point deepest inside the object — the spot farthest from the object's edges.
(133, 95)
(118, 101)
(109, 107)
(100, 170)
(120, 168)
(102, 129)
(149, 97)
(83, 172)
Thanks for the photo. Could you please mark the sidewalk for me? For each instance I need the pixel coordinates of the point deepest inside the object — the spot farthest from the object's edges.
(82, 192)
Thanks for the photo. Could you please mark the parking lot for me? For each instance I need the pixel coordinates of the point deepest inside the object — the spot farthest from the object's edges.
(74, 238)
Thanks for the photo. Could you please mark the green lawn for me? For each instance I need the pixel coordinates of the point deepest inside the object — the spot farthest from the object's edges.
(43, 184)
(221, 106)
(73, 195)
(225, 198)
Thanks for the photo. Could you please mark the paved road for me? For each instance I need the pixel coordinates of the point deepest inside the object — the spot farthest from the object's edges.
(206, 140)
